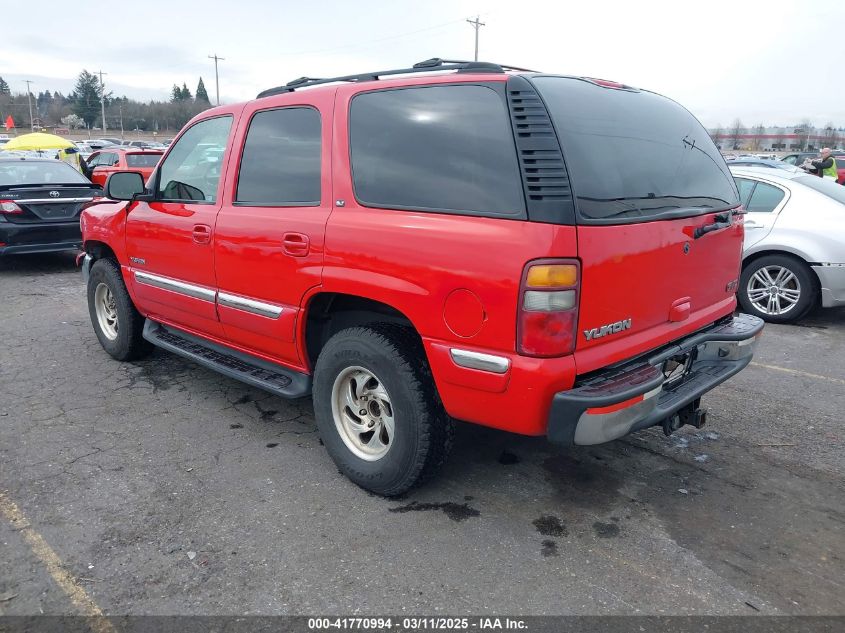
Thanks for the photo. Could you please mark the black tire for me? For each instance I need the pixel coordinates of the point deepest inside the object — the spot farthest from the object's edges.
(806, 283)
(129, 343)
(423, 431)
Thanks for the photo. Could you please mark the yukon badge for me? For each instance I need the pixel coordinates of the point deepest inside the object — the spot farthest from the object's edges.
(610, 328)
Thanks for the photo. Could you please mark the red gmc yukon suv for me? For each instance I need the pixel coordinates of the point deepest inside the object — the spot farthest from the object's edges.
(544, 254)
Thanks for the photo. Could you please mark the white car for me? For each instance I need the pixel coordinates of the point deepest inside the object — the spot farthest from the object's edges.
(794, 250)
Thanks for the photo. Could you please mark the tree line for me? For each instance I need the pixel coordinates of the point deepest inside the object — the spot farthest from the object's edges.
(831, 136)
(82, 107)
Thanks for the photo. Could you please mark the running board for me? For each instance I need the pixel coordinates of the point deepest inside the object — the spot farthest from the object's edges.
(254, 371)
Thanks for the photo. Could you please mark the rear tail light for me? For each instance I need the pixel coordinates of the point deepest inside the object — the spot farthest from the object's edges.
(9, 207)
(548, 308)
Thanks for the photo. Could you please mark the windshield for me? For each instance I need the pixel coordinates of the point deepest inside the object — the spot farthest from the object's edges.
(24, 172)
(142, 160)
(830, 188)
(634, 156)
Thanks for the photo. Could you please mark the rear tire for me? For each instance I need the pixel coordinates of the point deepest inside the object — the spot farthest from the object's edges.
(777, 288)
(377, 378)
(116, 321)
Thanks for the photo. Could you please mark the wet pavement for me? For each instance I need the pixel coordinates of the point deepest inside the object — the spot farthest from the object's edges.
(164, 488)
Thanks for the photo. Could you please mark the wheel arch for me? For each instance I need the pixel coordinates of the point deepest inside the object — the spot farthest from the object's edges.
(326, 313)
(100, 250)
(784, 252)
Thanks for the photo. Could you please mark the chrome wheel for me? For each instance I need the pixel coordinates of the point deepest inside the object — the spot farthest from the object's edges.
(774, 290)
(106, 311)
(363, 413)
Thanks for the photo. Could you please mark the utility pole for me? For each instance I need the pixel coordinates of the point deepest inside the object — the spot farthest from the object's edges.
(29, 98)
(216, 77)
(103, 100)
(476, 25)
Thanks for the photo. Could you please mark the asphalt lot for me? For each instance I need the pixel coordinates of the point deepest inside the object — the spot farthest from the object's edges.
(164, 488)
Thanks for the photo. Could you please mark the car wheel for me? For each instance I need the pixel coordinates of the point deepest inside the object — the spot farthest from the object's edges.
(777, 288)
(377, 409)
(116, 321)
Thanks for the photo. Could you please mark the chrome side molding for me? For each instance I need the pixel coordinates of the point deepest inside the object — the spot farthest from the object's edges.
(249, 305)
(477, 360)
(180, 287)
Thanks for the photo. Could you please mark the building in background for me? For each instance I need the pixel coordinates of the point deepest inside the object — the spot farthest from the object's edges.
(777, 139)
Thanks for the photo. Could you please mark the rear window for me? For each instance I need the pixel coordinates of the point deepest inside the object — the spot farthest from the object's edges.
(435, 148)
(634, 155)
(142, 160)
(22, 172)
(828, 187)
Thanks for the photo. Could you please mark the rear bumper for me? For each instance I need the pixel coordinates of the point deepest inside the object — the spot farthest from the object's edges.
(832, 281)
(638, 395)
(39, 238)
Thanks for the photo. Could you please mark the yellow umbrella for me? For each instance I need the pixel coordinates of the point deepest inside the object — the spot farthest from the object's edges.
(37, 141)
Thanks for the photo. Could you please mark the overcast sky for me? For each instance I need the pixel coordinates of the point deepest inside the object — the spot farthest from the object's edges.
(774, 61)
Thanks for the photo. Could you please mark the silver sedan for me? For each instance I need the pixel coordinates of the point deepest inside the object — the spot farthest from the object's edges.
(794, 251)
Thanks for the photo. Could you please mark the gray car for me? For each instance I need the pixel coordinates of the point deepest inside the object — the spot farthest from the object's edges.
(794, 251)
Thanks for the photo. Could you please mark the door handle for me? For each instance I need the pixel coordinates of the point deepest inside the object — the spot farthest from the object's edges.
(201, 233)
(296, 244)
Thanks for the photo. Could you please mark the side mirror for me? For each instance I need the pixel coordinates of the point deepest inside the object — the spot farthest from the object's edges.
(124, 185)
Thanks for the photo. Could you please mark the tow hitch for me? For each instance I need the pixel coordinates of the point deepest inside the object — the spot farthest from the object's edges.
(691, 414)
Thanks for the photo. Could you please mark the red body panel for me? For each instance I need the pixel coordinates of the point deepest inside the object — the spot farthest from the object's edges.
(455, 277)
(251, 256)
(100, 174)
(649, 273)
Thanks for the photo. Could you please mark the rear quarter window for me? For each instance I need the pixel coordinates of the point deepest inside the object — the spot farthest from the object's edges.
(142, 160)
(436, 148)
(634, 155)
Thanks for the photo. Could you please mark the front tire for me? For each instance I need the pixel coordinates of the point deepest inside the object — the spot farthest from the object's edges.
(777, 288)
(117, 323)
(377, 409)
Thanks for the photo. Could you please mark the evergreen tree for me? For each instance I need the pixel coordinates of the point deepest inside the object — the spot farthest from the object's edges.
(175, 94)
(186, 94)
(202, 95)
(85, 97)
(4, 87)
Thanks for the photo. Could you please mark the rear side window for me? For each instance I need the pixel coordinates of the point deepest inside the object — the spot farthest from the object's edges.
(142, 160)
(633, 155)
(764, 199)
(745, 187)
(280, 165)
(435, 148)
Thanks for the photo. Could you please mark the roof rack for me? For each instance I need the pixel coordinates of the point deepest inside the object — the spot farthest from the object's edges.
(429, 65)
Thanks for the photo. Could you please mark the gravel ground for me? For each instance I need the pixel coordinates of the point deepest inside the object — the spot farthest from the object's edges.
(164, 488)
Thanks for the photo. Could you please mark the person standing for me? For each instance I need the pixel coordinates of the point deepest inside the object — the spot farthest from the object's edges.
(825, 165)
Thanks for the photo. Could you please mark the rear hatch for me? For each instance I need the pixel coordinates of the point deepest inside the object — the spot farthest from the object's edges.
(143, 162)
(646, 179)
(43, 191)
(47, 203)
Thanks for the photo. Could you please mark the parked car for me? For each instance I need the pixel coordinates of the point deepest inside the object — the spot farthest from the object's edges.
(98, 143)
(108, 161)
(794, 249)
(760, 162)
(408, 250)
(40, 202)
(799, 157)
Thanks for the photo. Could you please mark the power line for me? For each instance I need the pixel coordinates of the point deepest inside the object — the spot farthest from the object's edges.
(216, 77)
(477, 26)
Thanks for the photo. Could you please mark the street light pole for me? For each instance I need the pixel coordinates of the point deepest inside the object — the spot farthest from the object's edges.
(29, 98)
(216, 77)
(103, 100)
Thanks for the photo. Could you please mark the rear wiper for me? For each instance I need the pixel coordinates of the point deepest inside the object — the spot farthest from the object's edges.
(723, 221)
